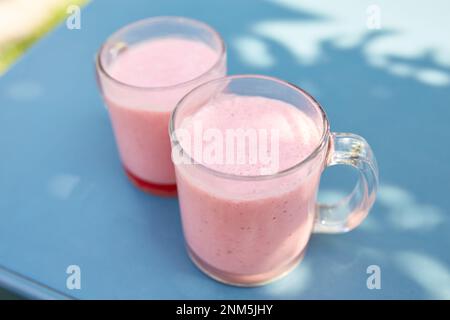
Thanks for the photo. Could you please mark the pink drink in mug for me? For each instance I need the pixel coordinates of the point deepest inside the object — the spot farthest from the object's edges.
(143, 70)
(248, 208)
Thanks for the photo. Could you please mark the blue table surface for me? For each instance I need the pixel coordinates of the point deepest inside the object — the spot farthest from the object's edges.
(64, 199)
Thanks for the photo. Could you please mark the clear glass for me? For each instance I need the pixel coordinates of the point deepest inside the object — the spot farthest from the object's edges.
(250, 230)
(140, 115)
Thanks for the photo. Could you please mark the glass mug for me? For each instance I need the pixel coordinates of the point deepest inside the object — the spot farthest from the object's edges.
(140, 114)
(248, 230)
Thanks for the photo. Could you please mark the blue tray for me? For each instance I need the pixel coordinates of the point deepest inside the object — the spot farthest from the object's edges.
(64, 199)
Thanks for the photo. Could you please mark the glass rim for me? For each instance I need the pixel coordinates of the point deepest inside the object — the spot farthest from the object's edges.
(322, 143)
(154, 20)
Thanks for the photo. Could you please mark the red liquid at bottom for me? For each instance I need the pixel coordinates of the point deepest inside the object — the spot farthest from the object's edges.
(165, 190)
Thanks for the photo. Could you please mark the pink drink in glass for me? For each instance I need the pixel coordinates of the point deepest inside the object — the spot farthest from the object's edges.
(143, 70)
(245, 232)
(248, 209)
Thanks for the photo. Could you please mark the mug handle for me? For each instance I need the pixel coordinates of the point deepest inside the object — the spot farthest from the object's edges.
(349, 149)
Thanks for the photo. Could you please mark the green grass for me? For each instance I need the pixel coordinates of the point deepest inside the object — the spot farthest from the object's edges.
(10, 52)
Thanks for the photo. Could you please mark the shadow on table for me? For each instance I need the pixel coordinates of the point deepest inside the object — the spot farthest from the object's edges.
(7, 295)
(405, 121)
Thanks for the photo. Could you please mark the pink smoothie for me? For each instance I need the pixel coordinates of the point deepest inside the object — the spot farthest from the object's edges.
(250, 231)
(157, 74)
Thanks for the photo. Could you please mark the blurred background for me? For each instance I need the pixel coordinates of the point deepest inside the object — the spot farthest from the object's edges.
(381, 69)
(22, 22)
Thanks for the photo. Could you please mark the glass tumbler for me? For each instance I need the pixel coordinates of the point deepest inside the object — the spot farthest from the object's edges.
(140, 114)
